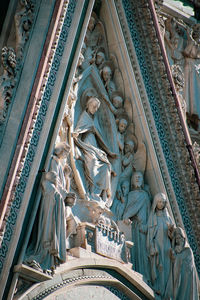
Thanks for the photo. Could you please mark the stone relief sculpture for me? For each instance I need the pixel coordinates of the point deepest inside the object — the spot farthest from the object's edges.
(174, 41)
(159, 234)
(183, 280)
(95, 38)
(12, 57)
(109, 161)
(23, 22)
(178, 77)
(137, 210)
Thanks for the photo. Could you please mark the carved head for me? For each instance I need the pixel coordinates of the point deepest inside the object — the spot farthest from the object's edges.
(91, 24)
(160, 201)
(117, 101)
(180, 238)
(61, 150)
(129, 146)
(125, 186)
(70, 199)
(100, 58)
(106, 73)
(122, 125)
(92, 105)
(137, 180)
(51, 177)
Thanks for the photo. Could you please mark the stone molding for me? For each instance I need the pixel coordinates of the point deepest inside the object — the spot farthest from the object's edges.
(32, 126)
(92, 270)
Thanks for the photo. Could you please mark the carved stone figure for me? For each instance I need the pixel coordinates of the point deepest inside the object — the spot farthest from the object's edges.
(183, 283)
(94, 39)
(106, 74)
(71, 220)
(160, 227)
(61, 152)
(122, 125)
(121, 200)
(96, 164)
(7, 80)
(127, 159)
(118, 102)
(98, 58)
(173, 41)
(49, 249)
(137, 210)
(192, 70)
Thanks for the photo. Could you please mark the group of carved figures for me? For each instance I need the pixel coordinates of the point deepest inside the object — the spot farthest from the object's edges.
(111, 172)
(161, 251)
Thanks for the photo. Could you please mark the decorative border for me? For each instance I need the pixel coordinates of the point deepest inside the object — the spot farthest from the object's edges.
(166, 118)
(36, 126)
(68, 281)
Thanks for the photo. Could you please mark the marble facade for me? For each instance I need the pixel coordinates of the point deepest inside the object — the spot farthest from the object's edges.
(103, 169)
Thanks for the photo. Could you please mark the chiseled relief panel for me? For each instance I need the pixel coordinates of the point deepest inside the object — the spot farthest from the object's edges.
(95, 184)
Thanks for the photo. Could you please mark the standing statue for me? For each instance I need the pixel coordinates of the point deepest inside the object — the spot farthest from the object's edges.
(97, 167)
(49, 249)
(137, 210)
(160, 228)
(183, 282)
(192, 70)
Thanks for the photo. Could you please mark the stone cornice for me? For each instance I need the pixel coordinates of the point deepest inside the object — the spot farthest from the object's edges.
(138, 24)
